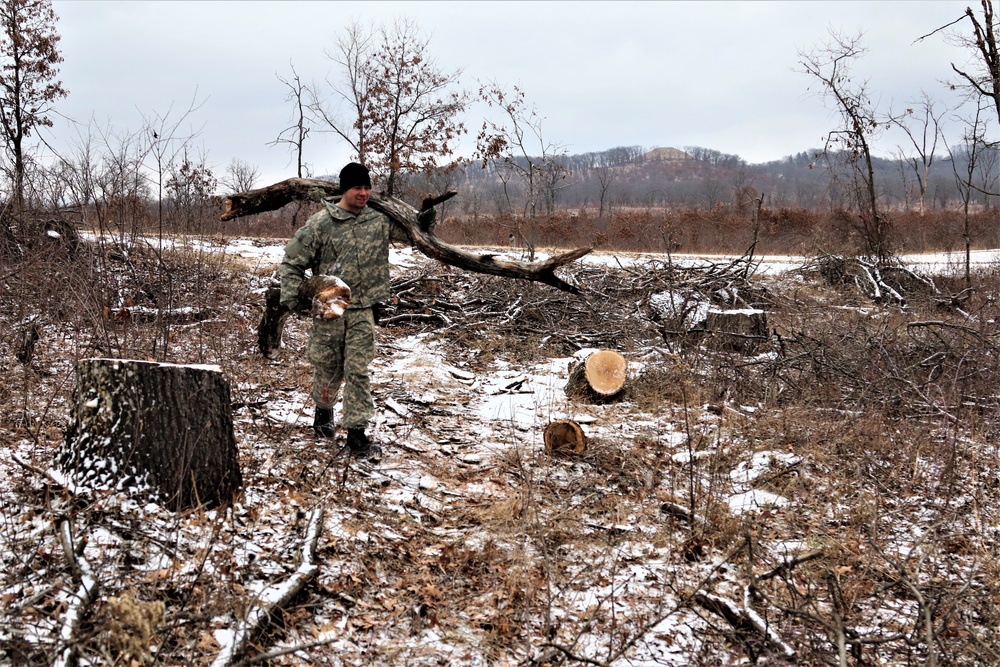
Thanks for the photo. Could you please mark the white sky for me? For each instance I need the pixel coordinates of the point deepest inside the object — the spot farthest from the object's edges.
(721, 75)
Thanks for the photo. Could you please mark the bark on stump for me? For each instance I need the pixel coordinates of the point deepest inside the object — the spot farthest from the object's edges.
(564, 437)
(161, 429)
(741, 331)
(600, 377)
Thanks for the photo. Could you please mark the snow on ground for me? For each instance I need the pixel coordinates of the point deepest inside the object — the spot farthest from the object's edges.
(463, 446)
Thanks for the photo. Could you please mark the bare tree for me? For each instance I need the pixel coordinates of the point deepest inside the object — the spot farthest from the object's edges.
(403, 110)
(982, 80)
(964, 180)
(606, 178)
(240, 176)
(350, 54)
(190, 187)
(510, 142)
(296, 133)
(29, 59)
(923, 135)
(166, 142)
(830, 65)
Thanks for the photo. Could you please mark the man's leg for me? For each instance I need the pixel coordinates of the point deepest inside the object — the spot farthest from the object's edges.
(359, 352)
(326, 354)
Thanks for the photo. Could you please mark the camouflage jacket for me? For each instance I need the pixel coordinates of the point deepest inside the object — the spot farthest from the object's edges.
(335, 242)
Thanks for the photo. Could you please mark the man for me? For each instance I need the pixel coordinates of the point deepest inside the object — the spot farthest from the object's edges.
(350, 241)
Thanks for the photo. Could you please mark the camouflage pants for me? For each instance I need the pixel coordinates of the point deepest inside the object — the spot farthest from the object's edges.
(340, 351)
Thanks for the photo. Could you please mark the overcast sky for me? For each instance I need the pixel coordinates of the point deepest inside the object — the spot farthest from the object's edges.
(721, 75)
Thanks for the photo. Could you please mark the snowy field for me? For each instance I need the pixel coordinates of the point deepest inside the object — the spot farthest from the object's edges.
(466, 545)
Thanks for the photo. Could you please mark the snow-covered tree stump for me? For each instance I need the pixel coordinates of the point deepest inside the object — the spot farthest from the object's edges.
(742, 330)
(161, 429)
(599, 377)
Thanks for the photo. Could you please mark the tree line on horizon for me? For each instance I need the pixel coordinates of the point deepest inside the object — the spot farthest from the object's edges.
(401, 114)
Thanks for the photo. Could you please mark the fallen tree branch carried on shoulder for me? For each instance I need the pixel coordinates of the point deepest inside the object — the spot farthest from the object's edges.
(421, 236)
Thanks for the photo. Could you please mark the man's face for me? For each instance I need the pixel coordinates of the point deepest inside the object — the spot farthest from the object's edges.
(354, 199)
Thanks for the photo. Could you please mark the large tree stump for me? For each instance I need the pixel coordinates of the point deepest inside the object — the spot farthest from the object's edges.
(161, 429)
(743, 330)
(599, 377)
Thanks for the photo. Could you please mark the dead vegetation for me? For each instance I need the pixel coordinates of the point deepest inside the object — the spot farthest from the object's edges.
(827, 499)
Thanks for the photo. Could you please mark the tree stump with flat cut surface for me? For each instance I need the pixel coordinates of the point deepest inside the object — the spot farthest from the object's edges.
(163, 430)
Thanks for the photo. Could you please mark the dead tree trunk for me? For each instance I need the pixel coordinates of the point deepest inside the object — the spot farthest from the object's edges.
(160, 429)
(600, 377)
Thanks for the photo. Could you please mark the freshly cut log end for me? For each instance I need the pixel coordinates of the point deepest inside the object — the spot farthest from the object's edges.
(564, 437)
(605, 371)
(332, 298)
(600, 376)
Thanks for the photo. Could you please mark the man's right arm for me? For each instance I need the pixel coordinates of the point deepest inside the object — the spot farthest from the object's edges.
(299, 254)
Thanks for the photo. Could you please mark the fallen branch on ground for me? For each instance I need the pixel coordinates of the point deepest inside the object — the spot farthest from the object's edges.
(275, 598)
(743, 620)
(86, 593)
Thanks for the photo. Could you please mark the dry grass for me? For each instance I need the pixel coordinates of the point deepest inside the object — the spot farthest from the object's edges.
(890, 413)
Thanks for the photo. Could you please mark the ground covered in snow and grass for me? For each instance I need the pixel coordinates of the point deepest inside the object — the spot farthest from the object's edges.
(821, 493)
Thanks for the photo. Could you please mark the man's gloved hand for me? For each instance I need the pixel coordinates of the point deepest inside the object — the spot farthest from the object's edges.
(299, 308)
(427, 218)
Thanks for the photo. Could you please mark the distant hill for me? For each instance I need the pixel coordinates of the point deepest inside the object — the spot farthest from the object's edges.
(666, 154)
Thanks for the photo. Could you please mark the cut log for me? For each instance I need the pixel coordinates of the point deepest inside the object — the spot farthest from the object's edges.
(162, 430)
(564, 437)
(743, 330)
(599, 377)
(328, 296)
(421, 237)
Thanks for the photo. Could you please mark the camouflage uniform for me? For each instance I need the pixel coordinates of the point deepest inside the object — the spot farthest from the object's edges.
(354, 248)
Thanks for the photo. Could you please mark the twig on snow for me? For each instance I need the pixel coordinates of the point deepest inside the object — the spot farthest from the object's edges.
(86, 593)
(275, 597)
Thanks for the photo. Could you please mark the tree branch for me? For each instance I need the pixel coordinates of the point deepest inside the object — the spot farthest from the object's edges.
(275, 196)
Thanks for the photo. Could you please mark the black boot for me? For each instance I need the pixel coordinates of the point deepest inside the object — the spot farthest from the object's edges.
(361, 446)
(323, 422)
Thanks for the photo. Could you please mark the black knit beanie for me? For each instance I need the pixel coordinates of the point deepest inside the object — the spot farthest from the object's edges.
(353, 175)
